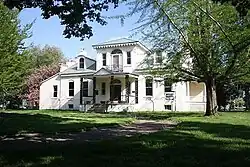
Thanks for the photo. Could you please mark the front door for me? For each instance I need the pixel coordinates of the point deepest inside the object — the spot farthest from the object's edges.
(115, 93)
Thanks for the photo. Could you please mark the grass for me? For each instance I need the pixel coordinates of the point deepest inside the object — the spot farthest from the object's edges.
(49, 121)
(222, 141)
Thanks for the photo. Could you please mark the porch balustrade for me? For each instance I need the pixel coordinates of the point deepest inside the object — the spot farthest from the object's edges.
(115, 68)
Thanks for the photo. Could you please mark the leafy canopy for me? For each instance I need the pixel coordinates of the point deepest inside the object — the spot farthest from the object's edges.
(203, 39)
(13, 63)
(45, 56)
(77, 15)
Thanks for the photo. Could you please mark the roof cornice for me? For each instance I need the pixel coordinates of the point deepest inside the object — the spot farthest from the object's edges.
(114, 45)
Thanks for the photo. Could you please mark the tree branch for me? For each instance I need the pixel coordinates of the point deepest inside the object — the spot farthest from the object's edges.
(230, 67)
(180, 32)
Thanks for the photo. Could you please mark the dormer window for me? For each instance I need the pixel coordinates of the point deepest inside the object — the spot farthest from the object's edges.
(81, 63)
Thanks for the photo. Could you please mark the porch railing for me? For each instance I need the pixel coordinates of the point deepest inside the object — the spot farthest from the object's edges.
(115, 68)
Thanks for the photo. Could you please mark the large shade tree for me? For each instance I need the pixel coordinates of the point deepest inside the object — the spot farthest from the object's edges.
(45, 56)
(77, 15)
(206, 42)
(13, 63)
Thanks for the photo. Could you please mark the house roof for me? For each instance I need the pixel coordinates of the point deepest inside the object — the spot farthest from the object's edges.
(119, 42)
(102, 71)
(74, 71)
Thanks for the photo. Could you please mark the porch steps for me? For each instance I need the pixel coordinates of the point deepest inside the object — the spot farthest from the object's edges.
(98, 108)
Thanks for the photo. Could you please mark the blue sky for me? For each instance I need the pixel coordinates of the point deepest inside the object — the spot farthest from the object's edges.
(50, 31)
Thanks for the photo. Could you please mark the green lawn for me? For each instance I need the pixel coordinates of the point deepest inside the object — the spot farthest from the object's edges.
(49, 121)
(197, 141)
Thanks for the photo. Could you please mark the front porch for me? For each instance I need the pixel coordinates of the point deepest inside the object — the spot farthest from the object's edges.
(115, 89)
(110, 89)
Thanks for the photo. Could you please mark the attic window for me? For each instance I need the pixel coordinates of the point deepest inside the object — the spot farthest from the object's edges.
(81, 62)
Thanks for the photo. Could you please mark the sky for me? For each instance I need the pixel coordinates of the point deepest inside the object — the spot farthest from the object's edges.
(50, 32)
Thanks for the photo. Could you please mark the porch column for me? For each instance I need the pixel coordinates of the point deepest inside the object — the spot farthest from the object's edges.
(136, 90)
(127, 88)
(111, 88)
(81, 80)
(94, 89)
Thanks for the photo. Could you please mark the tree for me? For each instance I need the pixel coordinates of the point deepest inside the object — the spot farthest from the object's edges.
(206, 42)
(45, 56)
(44, 63)
(13, 63)
(242, 6)
(76, 15)
(34, 81)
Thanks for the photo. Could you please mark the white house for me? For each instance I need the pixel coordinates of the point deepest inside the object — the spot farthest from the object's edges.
(116, 81)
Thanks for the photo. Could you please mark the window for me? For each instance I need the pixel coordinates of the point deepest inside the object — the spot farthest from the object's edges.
(116, 51)
(158, 58)
(71, 88)
(103, 88)
(85, 89)
(81, 63)
(149, 87)
(168, 107)
(128, 57)
(55, 91)
(167, 85)
(104, 57)
(71, 106)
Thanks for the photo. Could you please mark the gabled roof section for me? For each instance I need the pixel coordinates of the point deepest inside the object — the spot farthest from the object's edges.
(70, 71)
(102, 71)
(118, 43)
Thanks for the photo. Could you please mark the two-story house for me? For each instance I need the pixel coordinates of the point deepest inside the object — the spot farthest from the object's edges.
(116, 81)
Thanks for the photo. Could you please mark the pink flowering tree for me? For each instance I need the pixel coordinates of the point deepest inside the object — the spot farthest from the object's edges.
(35, 79)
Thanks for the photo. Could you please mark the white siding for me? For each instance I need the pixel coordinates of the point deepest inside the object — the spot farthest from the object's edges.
(47, 101)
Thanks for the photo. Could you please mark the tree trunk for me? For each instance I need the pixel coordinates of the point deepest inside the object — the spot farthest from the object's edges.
(211, 105)
(247, 97)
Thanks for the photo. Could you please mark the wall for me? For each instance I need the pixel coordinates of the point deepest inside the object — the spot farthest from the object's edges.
(181, 96)
(197, 91)
(47, 101)
(137, 55)
(158, 96)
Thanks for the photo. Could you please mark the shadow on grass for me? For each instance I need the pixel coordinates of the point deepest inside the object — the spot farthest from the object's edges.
(149, 115)
(13, 123)
(187, 145)
(218, 129)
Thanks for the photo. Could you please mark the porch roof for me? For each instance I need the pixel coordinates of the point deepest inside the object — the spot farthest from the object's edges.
(105, 72)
